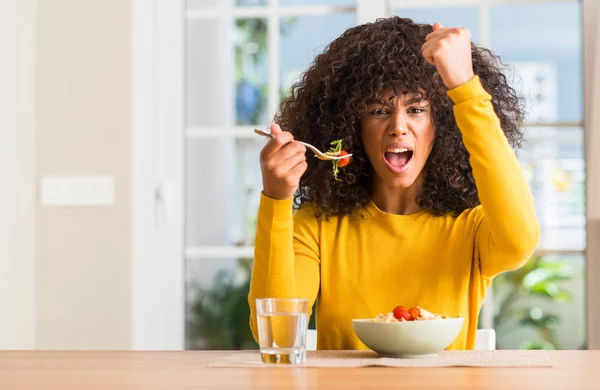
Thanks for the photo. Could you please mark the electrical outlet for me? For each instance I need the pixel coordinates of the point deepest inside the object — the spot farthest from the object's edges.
(77, 191)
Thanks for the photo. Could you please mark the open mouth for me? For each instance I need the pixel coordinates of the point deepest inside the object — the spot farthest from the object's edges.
(398, 158)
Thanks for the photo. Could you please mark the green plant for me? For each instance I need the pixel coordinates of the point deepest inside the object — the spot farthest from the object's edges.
(218, 317)
(519, 295)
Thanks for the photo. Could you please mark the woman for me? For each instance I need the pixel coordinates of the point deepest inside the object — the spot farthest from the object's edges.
(433, 204)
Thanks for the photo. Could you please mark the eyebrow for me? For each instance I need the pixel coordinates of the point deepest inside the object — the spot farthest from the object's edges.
(417, 98)
(375, 100)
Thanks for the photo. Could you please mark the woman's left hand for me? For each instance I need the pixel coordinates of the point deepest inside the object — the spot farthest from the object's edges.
(449, 50)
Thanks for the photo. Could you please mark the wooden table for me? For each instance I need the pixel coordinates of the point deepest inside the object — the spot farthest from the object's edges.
(186, 370)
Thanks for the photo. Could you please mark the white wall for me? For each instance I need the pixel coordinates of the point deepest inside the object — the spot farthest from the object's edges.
(83, 127)
(17, 192)
(87, 277)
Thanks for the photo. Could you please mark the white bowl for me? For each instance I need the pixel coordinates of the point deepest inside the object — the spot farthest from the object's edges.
(409, 338)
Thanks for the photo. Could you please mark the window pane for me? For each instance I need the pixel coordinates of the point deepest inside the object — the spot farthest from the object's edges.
(217, 304)
(467, 17)
(246, 3)
(546, 40)
(217, 311)
(231, 88)
(543, 305)
(221, 202)
(553, 161)
(251, 71)
(209, 101)
(299, 44)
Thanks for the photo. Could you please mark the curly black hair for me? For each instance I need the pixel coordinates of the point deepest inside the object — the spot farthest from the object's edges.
(330, 98)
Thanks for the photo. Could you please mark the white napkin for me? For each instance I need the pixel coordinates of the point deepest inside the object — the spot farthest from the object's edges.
(345, 359)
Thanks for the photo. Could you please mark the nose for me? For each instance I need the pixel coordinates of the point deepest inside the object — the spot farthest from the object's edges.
(397, 126)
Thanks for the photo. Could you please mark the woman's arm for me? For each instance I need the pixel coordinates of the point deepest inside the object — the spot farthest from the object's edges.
(286, 255)
(507, 225)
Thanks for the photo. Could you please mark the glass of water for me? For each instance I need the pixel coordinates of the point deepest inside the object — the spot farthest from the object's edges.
(282, 324)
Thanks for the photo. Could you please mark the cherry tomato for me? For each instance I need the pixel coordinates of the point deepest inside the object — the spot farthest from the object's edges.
(415, 312)
(401, 312)
(345, 161)
(397, 309)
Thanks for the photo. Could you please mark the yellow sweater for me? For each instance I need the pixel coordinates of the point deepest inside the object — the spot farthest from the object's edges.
(358, 269)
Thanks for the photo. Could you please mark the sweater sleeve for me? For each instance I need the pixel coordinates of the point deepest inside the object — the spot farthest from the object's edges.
(286, 255)
(507, 228)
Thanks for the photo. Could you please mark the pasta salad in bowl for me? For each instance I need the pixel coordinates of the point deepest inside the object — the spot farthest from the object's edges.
(408, 332)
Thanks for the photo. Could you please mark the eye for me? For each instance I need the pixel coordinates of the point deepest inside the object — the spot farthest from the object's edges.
(379, 112)
(415, 110)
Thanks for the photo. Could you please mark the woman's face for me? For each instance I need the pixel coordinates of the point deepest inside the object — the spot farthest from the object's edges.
(397, 133)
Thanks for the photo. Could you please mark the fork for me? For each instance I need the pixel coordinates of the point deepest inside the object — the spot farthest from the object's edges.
(318, 154)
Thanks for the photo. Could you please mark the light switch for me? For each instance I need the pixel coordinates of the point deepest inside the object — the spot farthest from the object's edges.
(77, 191)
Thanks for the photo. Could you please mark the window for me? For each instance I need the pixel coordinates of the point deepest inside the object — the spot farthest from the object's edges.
(270, 42)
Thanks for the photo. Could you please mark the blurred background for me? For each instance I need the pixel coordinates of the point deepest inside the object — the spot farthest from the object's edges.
(132, 177)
